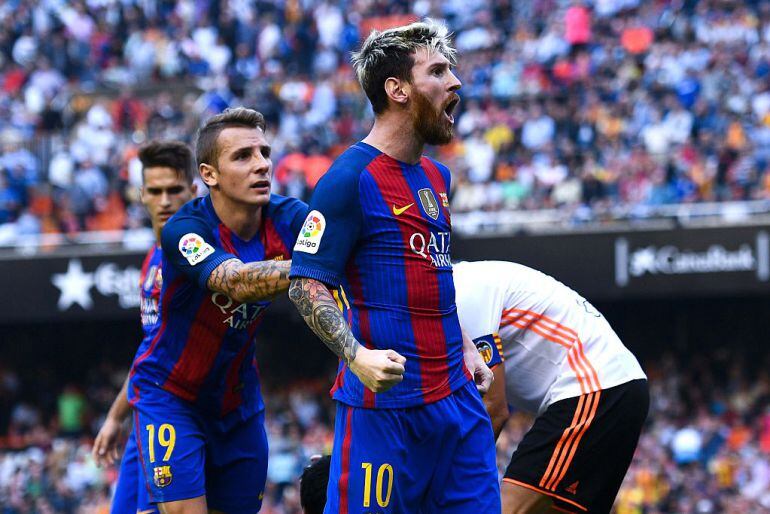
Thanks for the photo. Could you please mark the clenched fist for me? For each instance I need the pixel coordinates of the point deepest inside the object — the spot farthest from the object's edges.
(379, 370)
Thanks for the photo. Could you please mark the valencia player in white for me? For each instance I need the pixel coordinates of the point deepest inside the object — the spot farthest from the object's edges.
(556, 356)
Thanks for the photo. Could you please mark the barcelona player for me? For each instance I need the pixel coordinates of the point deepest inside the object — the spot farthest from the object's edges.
(194, 385)
(556, 356)
(372, 277)
(167, 184)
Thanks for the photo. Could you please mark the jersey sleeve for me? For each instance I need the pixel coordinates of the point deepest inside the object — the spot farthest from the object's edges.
(299, 210)
(331, 228)
(189, 245)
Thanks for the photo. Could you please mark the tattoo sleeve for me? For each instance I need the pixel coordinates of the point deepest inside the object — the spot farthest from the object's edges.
(250, 282)
(321, 313)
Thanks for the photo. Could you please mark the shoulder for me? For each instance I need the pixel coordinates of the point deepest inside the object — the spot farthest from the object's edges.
(194, 211)
(443, 170)
(279, 203)
(348, 167)
(440, 166)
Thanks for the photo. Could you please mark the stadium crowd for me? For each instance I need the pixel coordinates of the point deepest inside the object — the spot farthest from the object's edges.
(595, 108)
(705, 448)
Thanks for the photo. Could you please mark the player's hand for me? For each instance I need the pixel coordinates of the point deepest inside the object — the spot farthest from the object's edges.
(379, 370)
(482, 375)
(105, 450)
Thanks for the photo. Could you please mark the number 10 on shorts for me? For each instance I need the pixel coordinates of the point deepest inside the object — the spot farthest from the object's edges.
(382, 491)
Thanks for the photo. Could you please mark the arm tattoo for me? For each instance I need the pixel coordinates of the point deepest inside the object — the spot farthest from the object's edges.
(250, 282)
(321, 313)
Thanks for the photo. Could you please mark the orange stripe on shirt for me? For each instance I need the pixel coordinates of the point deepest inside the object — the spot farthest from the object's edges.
(539, 331)
(540, 315)
(581, 375)
(557, 333)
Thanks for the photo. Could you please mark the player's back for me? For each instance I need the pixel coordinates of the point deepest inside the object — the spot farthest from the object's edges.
(203, 351)
(397, 288)
(556, 345)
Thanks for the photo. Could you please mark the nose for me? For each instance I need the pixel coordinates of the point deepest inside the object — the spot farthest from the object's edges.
(165, 199)
(263, 164)
(454, 82)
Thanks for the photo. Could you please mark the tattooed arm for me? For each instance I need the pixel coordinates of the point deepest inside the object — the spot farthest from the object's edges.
(250, 282)
(379, 370)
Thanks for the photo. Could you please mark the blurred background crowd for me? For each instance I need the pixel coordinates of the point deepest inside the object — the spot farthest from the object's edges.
(594, 110)
(597, 109)
(705, 448)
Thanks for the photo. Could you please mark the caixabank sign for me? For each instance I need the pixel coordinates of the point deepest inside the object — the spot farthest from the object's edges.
(641, 262)
(652, 263)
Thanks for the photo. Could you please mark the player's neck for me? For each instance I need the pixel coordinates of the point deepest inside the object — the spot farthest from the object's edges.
(243, 220)
(393, 134)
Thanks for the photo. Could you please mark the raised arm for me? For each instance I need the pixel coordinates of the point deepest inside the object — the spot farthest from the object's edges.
(250, 282)
(379, 370)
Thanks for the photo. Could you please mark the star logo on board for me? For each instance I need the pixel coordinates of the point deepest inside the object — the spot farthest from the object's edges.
(75, 286)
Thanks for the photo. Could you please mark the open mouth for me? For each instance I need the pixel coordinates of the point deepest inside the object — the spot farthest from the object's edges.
(450, 107)
(262, 186)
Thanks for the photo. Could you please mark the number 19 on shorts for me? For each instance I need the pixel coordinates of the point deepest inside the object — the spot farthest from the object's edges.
(166, 438)
(383, 486)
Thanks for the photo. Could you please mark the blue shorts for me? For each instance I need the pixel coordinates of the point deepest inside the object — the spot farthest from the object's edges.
(131, 496)
(185, 455)
(437, 458)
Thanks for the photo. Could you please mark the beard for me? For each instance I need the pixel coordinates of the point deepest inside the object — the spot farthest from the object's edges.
(429, 123)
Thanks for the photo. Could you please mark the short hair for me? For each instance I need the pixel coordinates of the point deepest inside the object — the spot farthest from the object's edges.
(206, 149)
(390, 53)
(170, 154)
(312, 486)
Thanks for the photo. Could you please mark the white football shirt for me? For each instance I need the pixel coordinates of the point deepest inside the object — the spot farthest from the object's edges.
(556, 345)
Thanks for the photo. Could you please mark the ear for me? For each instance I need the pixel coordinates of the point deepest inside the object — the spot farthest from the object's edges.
(397, 90)
(143, 195)
(194, 189)
(209, 174)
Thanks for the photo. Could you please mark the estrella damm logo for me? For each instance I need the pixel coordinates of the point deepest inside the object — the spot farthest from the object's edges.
(162, 475)
(485, 349)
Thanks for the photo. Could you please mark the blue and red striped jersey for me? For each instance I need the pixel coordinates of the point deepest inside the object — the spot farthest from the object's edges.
(150, 282)
(378, 233)
(203, 351)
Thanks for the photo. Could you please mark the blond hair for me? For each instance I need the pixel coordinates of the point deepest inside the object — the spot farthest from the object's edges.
(390, 53)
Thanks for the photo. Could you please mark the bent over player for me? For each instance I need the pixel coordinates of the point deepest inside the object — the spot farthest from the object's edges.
(554, 355)
(194, 386)
(372, 277)
(167, 184)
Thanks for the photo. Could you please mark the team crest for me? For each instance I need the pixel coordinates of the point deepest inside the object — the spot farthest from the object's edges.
(444, 199)
(162, 475)
(159, 278)
(151, 277)
(428, 201)
(485, 349)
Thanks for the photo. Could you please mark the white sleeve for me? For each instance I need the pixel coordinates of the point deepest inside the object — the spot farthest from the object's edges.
(479, 302)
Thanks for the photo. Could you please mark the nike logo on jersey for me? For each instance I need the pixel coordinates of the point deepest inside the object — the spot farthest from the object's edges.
(399, 211)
